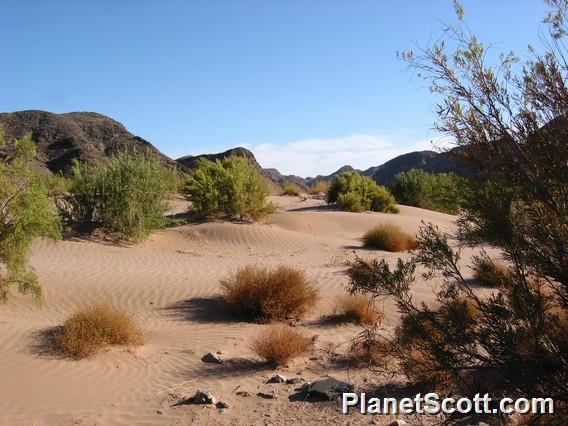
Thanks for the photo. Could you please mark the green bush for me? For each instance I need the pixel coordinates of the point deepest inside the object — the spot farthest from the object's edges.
(26, 211)
(127, 197)
(230, 187)
(443, 192)
(356, 193)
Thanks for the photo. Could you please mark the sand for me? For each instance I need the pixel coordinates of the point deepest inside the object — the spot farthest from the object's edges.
(170, 285)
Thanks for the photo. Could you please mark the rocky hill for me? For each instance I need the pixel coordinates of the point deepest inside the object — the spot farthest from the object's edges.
(60, 138)
(429, 161)
(92, 137)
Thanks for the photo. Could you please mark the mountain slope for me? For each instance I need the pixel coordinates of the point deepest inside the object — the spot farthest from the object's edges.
(92, 137)
(60, 138)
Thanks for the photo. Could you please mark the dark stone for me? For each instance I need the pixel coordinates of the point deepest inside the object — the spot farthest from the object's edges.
(327, 389)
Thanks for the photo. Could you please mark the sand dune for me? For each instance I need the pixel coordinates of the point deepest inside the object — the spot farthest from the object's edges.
(170, 284)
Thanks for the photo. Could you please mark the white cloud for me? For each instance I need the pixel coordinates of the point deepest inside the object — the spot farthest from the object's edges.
(310, 157)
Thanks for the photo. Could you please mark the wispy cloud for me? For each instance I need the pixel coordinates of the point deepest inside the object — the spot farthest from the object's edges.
(309, 157)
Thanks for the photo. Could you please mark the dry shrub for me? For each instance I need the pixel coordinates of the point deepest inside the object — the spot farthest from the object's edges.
(320, 187)
(279, 344)
(291, 189)
(490, 273)
(356, 308)
(96, 327)
(265, 294)
(390, 238)
(418, 365)
(370, 349)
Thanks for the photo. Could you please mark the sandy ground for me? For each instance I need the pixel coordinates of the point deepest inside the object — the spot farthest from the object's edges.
(170, 285)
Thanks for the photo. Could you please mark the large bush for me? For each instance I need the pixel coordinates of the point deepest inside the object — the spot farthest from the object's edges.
(230, 188)
(443, 192)
(356, 193)
(128, 196)
(26, 211)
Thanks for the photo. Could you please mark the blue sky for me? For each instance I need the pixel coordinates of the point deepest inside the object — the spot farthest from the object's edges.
(308, 85)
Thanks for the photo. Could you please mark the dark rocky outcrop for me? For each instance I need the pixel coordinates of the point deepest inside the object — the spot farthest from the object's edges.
(60, 138)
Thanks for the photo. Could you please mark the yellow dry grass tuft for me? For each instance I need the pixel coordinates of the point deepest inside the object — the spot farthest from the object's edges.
(389, 237)
(356, 308)
(490, 273)
(96, 327)
(278, 344)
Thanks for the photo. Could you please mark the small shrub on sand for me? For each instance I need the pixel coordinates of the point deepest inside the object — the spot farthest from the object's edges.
(371, 349)
(390, 238)
(279, 344)
(96, 327)
(291, 189)
(490, 273)
(320, 187)
(269, 294)
(355, 308)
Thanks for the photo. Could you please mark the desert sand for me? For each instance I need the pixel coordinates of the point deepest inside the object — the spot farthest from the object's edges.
(169, 283)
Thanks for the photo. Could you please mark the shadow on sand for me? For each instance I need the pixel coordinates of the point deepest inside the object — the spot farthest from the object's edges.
(203, 310)
(43, 343)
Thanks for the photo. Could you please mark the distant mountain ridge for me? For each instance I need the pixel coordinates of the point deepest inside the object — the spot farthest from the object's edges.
(91, 137)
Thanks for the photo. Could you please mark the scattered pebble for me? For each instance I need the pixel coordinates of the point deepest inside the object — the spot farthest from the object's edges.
(268, 395)
(212, 358)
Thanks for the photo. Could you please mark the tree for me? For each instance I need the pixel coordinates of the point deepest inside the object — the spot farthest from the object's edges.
(511, 124)
(26, 211)
(230, 187)
(443, 192)
(355, 193)
(128, 197)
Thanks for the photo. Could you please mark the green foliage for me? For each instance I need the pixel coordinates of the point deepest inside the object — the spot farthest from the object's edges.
(291, 189)
(357, 193)
(127, 197)
(230, 187)
(497, 343)
(26, 211)
(443, 192)
(510, 124)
